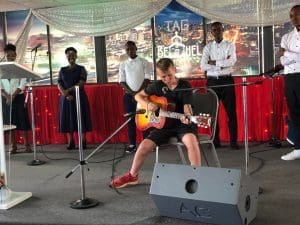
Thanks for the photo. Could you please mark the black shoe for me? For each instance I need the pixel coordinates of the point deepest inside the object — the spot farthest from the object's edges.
(131, 149)
(234, 146)
(71, 146)
(217, 144)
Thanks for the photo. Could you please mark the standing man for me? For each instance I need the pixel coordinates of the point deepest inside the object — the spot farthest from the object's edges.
(13, 96)
(290, 59)
(183, 129)
(135, 74)
(217, 60)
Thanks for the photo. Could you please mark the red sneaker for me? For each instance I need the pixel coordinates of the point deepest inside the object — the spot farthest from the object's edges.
(123, 181)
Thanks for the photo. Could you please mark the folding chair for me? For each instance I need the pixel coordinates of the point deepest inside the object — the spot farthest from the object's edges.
(207, 102)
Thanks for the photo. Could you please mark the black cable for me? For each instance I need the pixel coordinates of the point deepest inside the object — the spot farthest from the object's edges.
(103, 161)
(262, 161)
(113, 159)
(47, 157)
(113, 168)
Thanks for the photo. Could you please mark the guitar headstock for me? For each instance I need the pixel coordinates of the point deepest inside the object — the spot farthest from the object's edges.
(203, 120)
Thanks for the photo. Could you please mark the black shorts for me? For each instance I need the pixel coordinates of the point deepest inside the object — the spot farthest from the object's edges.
(162, 136)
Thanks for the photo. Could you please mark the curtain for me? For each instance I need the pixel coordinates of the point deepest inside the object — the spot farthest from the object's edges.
(106, 103)
(101, 18)
(243, 12)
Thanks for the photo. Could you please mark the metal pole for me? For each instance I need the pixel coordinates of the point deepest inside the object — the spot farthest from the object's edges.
(100, 146)
(84, 202)
(35, 161)
(244, 79)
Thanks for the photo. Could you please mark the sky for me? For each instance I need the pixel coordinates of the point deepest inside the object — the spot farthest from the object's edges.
(175, 11)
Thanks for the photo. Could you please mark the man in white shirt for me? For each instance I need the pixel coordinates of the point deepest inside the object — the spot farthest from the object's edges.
(217, 60)
(135, 74)
(13, 96)
(290, 59)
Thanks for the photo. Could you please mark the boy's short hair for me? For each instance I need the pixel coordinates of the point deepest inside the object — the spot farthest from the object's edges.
(164, 64)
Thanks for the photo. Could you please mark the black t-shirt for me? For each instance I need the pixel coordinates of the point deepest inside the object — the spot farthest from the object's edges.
(180, 98)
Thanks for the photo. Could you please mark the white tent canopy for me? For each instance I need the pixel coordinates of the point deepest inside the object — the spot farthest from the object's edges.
(103, 17)
(243, 12)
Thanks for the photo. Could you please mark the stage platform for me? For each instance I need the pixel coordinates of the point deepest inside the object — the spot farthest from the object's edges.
(52, 193)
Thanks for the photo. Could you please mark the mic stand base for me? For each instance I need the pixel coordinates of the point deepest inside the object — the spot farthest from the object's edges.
(274, 142)
(36, 162)
(84, 203)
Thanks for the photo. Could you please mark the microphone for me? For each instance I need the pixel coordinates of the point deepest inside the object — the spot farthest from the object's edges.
(36, 47)
(258, 82)
(271, 72)
(140, 111)
(165, 89)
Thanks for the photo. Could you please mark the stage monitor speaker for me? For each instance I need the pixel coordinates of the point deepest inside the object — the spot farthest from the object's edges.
(204, 194)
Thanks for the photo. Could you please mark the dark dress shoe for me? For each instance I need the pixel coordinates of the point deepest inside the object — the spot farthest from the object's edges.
(28, 149)
(13, 150)
(234, 146)
(71, 146)
(84, 145)
(217, 144)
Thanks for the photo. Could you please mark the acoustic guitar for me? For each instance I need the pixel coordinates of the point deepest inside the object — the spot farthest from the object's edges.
(157, 119)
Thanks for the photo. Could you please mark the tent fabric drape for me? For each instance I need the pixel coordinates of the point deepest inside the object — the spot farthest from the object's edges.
(243, 12)
(102, 18)
(22, 38)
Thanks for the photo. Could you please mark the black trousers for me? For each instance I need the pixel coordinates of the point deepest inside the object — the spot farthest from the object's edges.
(227, 96)
(292, 94)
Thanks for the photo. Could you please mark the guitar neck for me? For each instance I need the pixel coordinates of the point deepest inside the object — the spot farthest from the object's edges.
(173, 115)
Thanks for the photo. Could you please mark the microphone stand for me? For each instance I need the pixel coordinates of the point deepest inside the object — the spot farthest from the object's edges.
(35, 161)
(245, 111)
(131, 115)
(274, 142)
(244, 91)
(87, 202)
(84, 202)
(216, 86)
